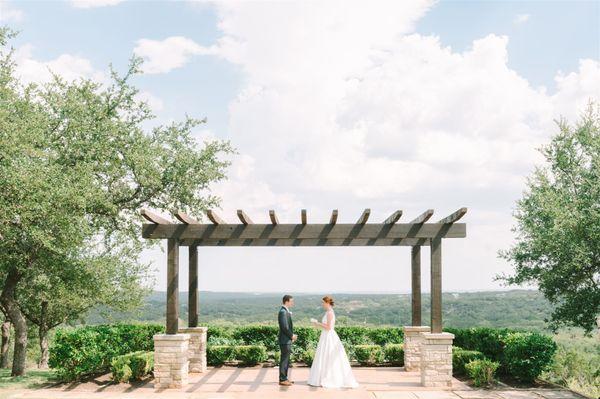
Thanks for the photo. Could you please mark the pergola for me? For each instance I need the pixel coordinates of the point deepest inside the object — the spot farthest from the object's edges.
(192, 233)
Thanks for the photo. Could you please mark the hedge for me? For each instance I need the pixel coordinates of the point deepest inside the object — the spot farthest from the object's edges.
(527, 355)
(250, 355)
(460, 358)
(132, 366)
(394, 354)
(368, 355)
(83, 351)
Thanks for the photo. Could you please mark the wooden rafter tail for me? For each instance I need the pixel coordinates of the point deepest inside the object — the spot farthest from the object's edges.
(273, 216)
(214, 218)
(303, 216)
(422, 218)
(153, 217)
(364, 217)
(185, 218)
(334, 216)
(393, 218)
(244, 218)
(454, 216)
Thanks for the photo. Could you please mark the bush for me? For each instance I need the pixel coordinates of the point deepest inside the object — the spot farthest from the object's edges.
(250, 355)
(527, 355)
(394, 354)
(482, 371)
(83, 351)
(216, 355)
(307, 357)
(354, 335)
(257, 335)
(368, 354)
(132, 366)
(483, 339)
(385, 335)
(460, 358)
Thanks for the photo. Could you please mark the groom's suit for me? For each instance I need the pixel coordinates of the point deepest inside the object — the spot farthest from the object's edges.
(286, 332)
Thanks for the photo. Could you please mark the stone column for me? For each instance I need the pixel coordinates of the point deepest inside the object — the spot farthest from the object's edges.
(171, 360)
(412, 346)
(436, 359)
(197, 348)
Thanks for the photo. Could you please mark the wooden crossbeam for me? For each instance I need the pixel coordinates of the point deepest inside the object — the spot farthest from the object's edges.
(422, 218)
(393, 218)
(153, 217)
(312, 242)
(243, 217)
(303, 231)
(273, 217)
(334, 216)
(303, 216)
(185, 218)
(364, 217)
(454, 216)
(214, 218)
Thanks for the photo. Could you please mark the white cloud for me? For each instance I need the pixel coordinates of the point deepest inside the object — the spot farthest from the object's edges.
(69, 66)
(342, 107)
(521, 18)
(94, 3)
(8, 13)
(162, 56)
(155, 103)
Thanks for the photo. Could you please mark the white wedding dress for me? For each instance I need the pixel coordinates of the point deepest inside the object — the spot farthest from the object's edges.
(331, 367)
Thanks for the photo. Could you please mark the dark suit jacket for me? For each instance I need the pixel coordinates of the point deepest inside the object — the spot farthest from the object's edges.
(286, 327)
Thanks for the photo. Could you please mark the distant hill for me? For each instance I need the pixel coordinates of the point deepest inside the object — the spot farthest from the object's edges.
(518, 309)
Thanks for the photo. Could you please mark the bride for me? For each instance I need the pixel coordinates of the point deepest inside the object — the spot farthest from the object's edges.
(330, 367)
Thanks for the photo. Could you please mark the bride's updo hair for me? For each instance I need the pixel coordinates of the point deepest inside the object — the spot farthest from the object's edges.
(328, 299)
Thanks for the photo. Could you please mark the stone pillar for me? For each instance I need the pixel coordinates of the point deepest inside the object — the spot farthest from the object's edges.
(436, 360)
(197, 348)
(171, 360)
(412, 346)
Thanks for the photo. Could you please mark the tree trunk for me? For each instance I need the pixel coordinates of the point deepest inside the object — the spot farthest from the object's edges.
(15, 315)
(43, 335)
(5, 344)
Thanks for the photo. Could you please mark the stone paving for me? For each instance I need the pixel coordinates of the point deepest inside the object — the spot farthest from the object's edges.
(261, 383)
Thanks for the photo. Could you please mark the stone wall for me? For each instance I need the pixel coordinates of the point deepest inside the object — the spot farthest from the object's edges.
(412, 346)
(196, 348)
(436, 360)
(171, 360)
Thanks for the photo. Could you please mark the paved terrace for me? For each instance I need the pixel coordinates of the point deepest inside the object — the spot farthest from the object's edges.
(261, 383)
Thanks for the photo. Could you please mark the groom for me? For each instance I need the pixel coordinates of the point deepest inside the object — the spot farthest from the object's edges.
(286, 337)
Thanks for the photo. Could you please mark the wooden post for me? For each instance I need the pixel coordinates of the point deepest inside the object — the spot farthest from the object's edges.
(193, 287)
(436, 285)
(416, 284)
(172, 286)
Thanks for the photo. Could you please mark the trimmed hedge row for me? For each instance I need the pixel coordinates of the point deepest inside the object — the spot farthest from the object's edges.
(132, 366)
(89, 350)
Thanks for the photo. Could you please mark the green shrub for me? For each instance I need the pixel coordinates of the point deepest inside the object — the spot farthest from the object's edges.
(460, 358)
(482, 371)
(394, 354)
(216, 355)
(368, 354)
(354, 335)
(220, 341)
(385, 335)
(527, 355)
(132, 366)
(307, 357)
(83, 351)
(483, 339)
(250, 355)
(219, 332)
(307, 337)
(257, 335)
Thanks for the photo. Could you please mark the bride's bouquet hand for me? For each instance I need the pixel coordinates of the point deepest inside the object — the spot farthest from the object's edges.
(313, 321)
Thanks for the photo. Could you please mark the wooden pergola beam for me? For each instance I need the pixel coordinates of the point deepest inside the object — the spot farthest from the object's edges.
(415, 262)
(153, 217)
(193, 286)
(273, 217)
(244, 218)
(214, 218)
(454, 216)
(303, 218)
(422, 218)
(185, 218)
(307, 242)
(364, 217)
(172, 286)
(334, 216)
(436, 285)
(393, 218)
(303, 231)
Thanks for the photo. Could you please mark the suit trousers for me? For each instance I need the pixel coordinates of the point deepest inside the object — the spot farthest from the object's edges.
(284, 361)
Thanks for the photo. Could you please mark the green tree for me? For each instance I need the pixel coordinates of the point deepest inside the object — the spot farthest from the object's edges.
(78, 160)
(558, 225)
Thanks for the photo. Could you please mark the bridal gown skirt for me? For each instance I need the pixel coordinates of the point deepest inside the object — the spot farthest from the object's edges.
(330, 367)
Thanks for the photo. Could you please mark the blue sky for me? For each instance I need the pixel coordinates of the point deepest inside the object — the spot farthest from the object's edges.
(345, 105)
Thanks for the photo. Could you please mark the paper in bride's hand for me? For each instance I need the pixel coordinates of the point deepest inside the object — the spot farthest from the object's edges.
(313, 320)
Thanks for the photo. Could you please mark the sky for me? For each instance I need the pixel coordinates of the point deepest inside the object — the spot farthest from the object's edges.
(342, 105)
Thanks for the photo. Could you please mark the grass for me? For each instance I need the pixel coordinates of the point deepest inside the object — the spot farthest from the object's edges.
(31, 379)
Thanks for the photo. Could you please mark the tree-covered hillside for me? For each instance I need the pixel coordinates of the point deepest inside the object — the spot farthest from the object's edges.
(517, 309)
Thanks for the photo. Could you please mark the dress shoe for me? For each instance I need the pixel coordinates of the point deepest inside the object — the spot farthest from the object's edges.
(285, 383)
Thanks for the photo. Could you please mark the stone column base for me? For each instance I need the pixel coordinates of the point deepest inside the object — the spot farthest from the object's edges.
(197, 348)
(171, 360)
(412, 346)
(436, 360)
